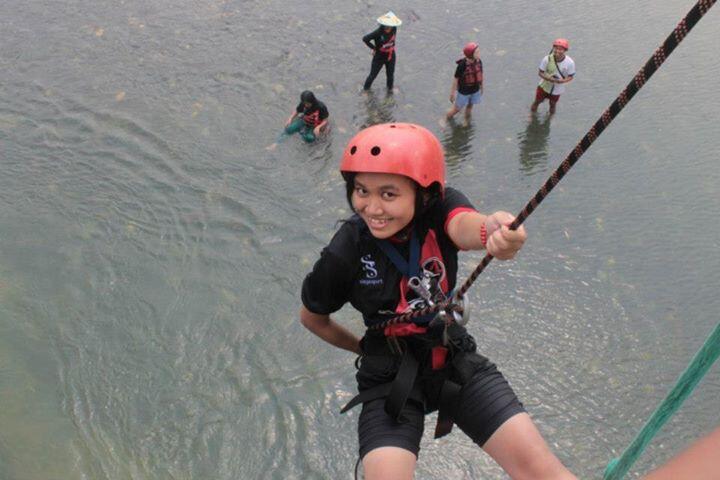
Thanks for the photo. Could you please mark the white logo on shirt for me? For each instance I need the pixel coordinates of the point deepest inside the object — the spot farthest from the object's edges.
(369, 266)
(371, 273)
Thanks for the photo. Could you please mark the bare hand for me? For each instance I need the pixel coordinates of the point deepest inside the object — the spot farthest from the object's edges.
(452, 97)
(502, 242)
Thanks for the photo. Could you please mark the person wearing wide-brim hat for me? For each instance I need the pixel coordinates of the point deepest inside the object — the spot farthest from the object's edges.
(382, 42)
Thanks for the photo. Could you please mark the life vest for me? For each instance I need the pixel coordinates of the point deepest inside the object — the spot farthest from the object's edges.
(388, 47)
(473, 74)
(551, 69)
(312, 119)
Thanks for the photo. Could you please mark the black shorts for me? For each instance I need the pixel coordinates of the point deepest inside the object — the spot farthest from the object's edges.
(486, 402)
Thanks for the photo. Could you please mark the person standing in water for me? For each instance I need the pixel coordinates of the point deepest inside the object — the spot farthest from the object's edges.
(382, 42)
(556, 69)
(467, 85)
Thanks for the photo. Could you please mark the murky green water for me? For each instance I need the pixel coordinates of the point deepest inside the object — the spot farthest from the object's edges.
(152, 250)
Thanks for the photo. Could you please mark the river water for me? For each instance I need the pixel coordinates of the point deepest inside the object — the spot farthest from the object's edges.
(152, 249)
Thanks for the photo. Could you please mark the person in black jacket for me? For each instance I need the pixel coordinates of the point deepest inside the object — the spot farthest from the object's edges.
(382, 43)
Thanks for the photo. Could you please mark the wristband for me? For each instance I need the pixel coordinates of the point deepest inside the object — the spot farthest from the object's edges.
(483, 235)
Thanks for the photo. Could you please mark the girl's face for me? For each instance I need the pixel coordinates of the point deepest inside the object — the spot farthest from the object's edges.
(385, 201)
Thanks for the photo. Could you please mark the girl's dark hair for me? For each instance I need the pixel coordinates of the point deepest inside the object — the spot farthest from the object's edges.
(349, 187)
(425, 197)
(308, 96)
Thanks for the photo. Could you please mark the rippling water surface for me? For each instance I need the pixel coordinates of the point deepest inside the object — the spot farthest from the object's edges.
(152, 249)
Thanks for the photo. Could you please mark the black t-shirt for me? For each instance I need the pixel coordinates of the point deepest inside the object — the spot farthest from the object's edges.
(380, 38)
(352, 268)
(462, 87)
(319, 106)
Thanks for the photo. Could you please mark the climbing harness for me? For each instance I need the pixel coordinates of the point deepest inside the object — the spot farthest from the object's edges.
(651, 66)
(418, 352)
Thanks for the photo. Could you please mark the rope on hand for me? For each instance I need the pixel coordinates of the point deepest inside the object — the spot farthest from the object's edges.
(651, 66)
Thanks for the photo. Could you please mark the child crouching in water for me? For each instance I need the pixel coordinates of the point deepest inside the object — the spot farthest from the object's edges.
(309, 119)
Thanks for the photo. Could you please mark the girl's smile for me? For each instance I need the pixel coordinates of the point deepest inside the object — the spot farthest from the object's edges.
(385, 201)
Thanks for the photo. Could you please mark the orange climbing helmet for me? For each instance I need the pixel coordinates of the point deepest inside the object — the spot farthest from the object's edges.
(400, 148)
(562, 42)
(469, 49)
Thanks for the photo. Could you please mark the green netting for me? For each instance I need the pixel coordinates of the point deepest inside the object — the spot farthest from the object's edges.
(706, 356)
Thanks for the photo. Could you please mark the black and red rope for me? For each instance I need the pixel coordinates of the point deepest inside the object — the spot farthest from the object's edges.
(651, 66)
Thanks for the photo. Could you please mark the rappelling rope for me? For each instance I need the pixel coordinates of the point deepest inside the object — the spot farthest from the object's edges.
(655, 61)
(704, 358)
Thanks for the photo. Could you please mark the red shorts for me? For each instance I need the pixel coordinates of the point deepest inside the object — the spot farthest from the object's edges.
(541, 95)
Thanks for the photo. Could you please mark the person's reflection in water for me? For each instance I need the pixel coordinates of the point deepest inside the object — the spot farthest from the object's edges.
(379, 109)
(456, 141)
(533, 144)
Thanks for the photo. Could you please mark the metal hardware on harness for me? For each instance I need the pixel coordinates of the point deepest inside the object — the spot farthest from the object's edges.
(441, 317)
(445, 336)
(464, 304)
(444, 318)
(421, 288)
(459, 312)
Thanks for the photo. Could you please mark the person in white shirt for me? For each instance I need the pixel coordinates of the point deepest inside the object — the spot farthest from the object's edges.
(556, 69)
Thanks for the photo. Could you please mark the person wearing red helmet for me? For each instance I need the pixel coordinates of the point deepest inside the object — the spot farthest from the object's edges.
(399, 253)
(556, 69)
(467, 85)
